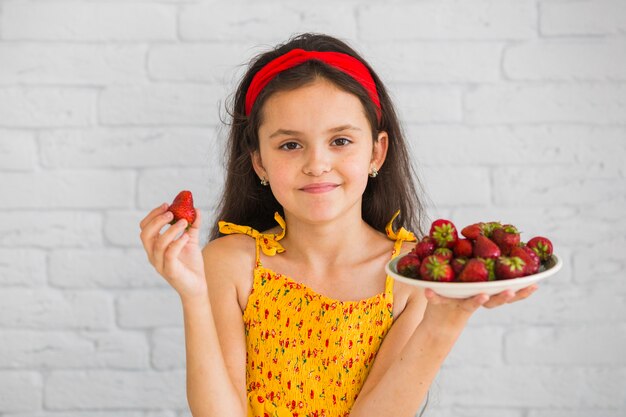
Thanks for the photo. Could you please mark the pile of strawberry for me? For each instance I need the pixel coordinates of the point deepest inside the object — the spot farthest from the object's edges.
(489, 251)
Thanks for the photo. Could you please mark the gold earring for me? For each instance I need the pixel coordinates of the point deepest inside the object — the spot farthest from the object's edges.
(374, 172)
(264, 181)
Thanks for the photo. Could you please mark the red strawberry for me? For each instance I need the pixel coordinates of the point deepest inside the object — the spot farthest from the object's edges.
(473, 230)
(182, 208)
(509, 267)
(409, 266)
(424, 248)
(463, 247)
(506, 237)
(475, 271)
(490, 263)
(444, 233)
(458, 264)
(445, 252)
(489, 227)
(485, 248)
(436, 268)
(529, 257)
(542, 247)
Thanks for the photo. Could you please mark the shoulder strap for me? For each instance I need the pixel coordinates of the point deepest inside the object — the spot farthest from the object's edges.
(268, 242)
(399, 236)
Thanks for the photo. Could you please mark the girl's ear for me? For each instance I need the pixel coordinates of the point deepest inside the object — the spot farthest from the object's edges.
(379, 152)
(257, 164)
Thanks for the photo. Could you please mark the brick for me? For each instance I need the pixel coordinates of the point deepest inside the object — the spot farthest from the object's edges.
(40, 107)
(50, 229)
(129, 147)
(541, 103)
(457, 145)
(102, 268)
(22, 267)
(121, 228)
(595, 345)
(469, 411)
(601, 259)
(430, 104)
(533, 386)
(47, 309)
(445, 62)
(557, 185)
(587, 17)
(70, 188)
(18, 150)
(69, 350)
(149, 308)
(111, 389)
(72, 64)
(442, 188)
(269, 23)
(21, 391)
(606, 145)
(160, 105)
(450, 19)
(168, 349)
(566, 60)
(485, 339)
(569, 412)
(85, 22)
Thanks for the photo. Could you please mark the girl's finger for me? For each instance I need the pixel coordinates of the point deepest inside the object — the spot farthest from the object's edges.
(194, 229)
(152, 214)
(500, 298)
(172, 252)
(524, 293)
(163, 242)
(150, 232)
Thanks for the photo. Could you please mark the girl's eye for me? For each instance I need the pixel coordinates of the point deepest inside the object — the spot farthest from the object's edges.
(344, 141)
(289, 146)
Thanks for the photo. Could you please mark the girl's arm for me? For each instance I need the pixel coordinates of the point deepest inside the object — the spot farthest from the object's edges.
(411, 357)
(215, 365)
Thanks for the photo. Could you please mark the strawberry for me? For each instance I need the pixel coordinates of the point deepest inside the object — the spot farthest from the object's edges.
(424, 248)
(458, 264)
(506, 237)
(509, 267)
(473, 230)
(463, 247)
(542, 247)
(444, 252)
(409, 266)
(490, 264)
(529, 257)
(436, 268)
(485, 248)
(475, 271)
(489, 227)
(444, 233)
(182, 208)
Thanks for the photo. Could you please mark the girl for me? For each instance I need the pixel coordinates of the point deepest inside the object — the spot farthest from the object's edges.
(288, 310)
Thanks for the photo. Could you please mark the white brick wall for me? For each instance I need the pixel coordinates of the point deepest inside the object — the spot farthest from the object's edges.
(515, 111)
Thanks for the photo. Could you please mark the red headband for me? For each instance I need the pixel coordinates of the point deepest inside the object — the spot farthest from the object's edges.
(346, 63)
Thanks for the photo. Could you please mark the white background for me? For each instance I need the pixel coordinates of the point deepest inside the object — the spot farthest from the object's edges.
(515, 111)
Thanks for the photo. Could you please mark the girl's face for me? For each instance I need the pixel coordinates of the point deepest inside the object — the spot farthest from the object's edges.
(316, 150)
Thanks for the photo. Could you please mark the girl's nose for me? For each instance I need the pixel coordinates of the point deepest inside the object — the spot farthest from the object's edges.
(318, 162)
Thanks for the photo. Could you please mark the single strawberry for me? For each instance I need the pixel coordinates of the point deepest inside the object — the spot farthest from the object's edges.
(542, 247)
(182, 208)
(424, 248)
(473, 230)
(444, 233)
(464, 248)
(489, 227)
(529, 257)
(485, 248)
(475, 271)
(506, 237)
(509, 267)
(458, 264)
(490, 264)
(436, 268)
(409, 266)
(446, 253)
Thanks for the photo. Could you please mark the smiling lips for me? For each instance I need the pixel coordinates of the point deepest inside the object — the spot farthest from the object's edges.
(321, 187)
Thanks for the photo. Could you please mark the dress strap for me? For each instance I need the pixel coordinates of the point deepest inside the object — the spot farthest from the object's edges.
(268, 242)
(399, 236)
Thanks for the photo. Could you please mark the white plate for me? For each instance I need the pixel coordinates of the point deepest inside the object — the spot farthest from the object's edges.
(469, 289)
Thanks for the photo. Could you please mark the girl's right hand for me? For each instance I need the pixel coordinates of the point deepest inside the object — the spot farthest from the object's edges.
(180, 260)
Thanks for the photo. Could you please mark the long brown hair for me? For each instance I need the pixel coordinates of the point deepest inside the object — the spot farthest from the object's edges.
(245, 201)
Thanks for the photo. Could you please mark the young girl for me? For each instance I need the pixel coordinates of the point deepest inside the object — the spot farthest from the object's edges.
(288, 310)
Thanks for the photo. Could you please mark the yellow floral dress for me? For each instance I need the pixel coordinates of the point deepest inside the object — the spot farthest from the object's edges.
(308, 355)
